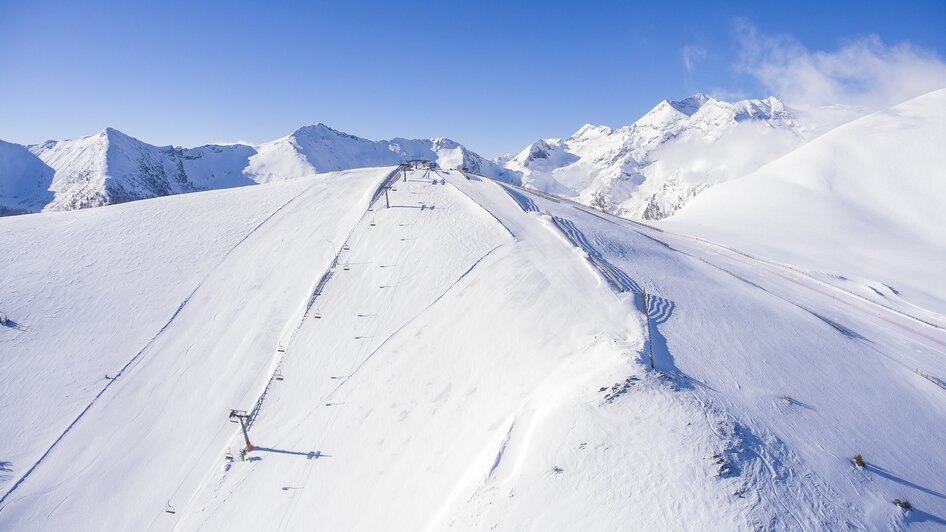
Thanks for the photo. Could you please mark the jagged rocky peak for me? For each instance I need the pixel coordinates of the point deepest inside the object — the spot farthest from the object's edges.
(770, 108)
(691, 104)
(538, 150)
(655, 165)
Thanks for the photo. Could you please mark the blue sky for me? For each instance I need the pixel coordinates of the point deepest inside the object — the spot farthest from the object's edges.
(492, 75)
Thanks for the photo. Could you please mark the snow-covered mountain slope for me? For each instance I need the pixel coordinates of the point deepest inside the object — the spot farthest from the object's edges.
(652, 167)
(111, 167)
(24, 180)
(320, 148)
(194, 290)
(860, 207)
(474, 357)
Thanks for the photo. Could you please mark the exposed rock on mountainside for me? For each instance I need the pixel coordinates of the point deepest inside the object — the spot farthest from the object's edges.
(652, 167)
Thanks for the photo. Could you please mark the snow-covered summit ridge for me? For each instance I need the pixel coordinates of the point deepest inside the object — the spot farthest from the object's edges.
(653, 166)
(113, 167)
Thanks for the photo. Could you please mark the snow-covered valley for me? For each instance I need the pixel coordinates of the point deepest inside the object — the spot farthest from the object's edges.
(474, 356)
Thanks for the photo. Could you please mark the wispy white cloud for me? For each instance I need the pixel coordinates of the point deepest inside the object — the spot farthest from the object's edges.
(861, 76)
(692, 53)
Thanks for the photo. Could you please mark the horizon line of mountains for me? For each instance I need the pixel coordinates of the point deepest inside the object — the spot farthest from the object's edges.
(648, 169)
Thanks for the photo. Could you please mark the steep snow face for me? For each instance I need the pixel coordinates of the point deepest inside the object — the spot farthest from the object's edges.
(112, 167)
(24, 180)
(652, 167)
(860, 207)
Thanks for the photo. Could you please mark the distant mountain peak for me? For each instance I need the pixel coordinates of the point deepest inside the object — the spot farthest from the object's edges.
(319, 129)
(655, 165)
(690, 104)
(113, 134)
(591, 130)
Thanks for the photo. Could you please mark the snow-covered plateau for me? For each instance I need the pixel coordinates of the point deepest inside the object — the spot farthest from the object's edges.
(447, 350)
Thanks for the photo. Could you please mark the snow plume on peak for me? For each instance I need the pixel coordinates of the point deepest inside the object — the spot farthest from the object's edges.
(652, 167)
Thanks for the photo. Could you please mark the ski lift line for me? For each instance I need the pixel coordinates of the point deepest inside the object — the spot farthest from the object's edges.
(317, 291)
(190, 472)
(391, 178)
(333, 416)
(327, 428)
(258, 405)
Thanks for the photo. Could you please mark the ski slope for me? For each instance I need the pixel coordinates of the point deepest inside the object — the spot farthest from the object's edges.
(476, 356)
(182, 302)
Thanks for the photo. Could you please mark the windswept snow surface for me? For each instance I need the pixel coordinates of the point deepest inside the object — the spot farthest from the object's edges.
(861, 207)
(478, 356)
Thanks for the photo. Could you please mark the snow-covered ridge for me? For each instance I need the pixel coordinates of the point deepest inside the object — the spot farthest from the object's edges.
(112, 167)
(652, 167)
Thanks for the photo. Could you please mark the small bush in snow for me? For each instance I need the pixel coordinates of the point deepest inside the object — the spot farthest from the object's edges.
(905, 504)
(858, 460)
